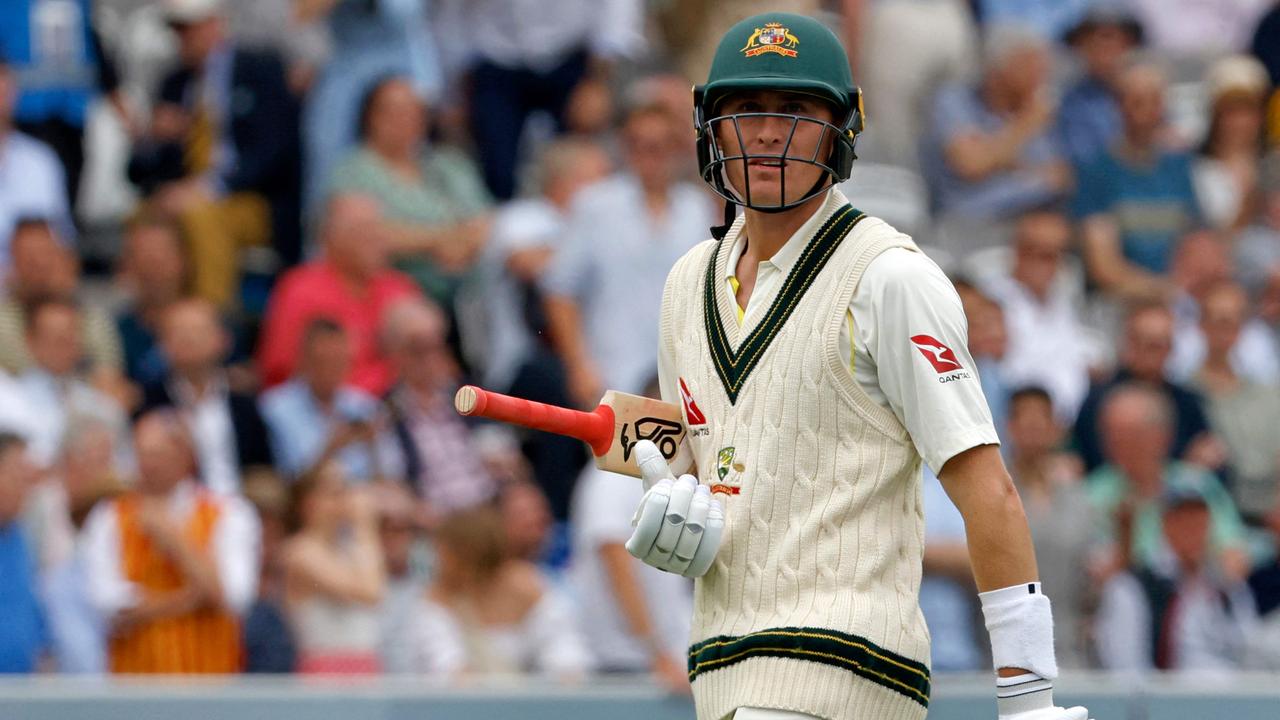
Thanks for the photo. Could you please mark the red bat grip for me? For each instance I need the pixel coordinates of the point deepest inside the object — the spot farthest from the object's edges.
(595, 428)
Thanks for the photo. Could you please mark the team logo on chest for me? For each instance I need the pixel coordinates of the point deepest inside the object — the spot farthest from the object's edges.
(728, 473)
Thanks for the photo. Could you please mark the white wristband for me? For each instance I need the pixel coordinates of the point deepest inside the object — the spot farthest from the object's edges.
(1020, 622)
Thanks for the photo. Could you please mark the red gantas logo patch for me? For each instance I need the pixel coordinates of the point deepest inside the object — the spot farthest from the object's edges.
(692, 414)
(938, 355)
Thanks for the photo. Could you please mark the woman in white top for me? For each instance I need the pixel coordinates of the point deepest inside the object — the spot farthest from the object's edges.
(334, 575)
(489, 612)
(1226, 170)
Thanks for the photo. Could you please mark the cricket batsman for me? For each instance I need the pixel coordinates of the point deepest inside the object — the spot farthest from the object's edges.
(820, 357)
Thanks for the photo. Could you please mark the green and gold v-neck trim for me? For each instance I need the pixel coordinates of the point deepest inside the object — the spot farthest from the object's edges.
(734, 366)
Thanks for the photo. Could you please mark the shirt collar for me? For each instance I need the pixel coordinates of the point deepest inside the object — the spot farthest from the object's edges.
(789, 254)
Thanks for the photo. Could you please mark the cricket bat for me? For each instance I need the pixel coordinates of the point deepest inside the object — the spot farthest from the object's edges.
(612, 430)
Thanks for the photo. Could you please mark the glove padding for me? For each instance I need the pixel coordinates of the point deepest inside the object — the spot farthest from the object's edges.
(678, 525)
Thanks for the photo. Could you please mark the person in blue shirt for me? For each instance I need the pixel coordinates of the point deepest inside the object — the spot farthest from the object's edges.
(1137, 200)
(62, 70)
(1089, 116)
(23, 634)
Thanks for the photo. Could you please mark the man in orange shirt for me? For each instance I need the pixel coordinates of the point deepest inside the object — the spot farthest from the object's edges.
(171, 565)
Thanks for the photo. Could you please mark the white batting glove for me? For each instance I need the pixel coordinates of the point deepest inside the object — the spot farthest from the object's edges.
(678, 526)
(1030, 697)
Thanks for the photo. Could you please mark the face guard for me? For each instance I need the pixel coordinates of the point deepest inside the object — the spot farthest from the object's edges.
(713, 163)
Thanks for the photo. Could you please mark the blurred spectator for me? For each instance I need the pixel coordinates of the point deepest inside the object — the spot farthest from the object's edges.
(1144, 353)
(604, 286)
(428, 443)
(1126, 492)
(435, 204)
(15, 416)
(1047, 340)
(1201, 264)
(53, 387)
(905, 50)
(228, 431)
(1265, 584)
(82, 472)
(526, 520)
(1186, 616)
(1266, 42)
(32, 183)
(635, 618)
(1257, 246)
(56, 49)
(222, 150)
(1058, 511)
(43, 268)
(83, 477)
(1226, 171)
(153, 267)
(370, 41)
(1137, 199)
(351, 284)
(521, 57)
(988, 343)
(171, 565)
(1243, 412)
(269, 645)
(23, 635)
(317, 417)
(517, 357)
(526, 235)
(488, 612)
(1089, 114)
(399, 526)
(989, 151)
(1198, 29)
(334, 575)
(947, 593)
(1047, 18)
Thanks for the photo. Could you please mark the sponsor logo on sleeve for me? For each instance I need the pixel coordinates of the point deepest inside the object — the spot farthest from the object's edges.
(942, 358)
(693, 416)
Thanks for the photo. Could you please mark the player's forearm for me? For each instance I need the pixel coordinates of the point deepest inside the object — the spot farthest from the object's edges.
(1000, 547)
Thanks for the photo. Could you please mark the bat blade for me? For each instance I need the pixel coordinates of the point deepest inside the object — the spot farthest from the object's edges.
(612, 429)
(639, 418)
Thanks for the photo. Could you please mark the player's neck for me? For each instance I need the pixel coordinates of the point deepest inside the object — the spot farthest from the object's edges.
(768, 232)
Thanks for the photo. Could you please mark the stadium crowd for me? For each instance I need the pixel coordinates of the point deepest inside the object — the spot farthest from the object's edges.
(250, 248)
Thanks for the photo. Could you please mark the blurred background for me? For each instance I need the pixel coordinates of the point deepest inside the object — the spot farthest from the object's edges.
(250, 248)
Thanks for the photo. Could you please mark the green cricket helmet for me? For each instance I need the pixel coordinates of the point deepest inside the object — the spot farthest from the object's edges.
(778, 51)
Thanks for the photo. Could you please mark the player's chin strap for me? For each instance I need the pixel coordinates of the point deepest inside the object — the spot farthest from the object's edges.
(730, 214)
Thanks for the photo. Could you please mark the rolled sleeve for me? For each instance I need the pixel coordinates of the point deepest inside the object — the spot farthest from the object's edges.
(108, 590)
(911, 321)
(237, 551)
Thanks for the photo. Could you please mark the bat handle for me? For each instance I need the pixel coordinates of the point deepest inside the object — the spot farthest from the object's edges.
(595, 428)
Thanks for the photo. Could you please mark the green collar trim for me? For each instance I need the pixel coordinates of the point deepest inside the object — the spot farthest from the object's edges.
(734, 367)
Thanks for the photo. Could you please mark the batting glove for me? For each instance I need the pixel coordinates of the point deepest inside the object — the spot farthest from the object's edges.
(679, 525)
(1030, 697)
